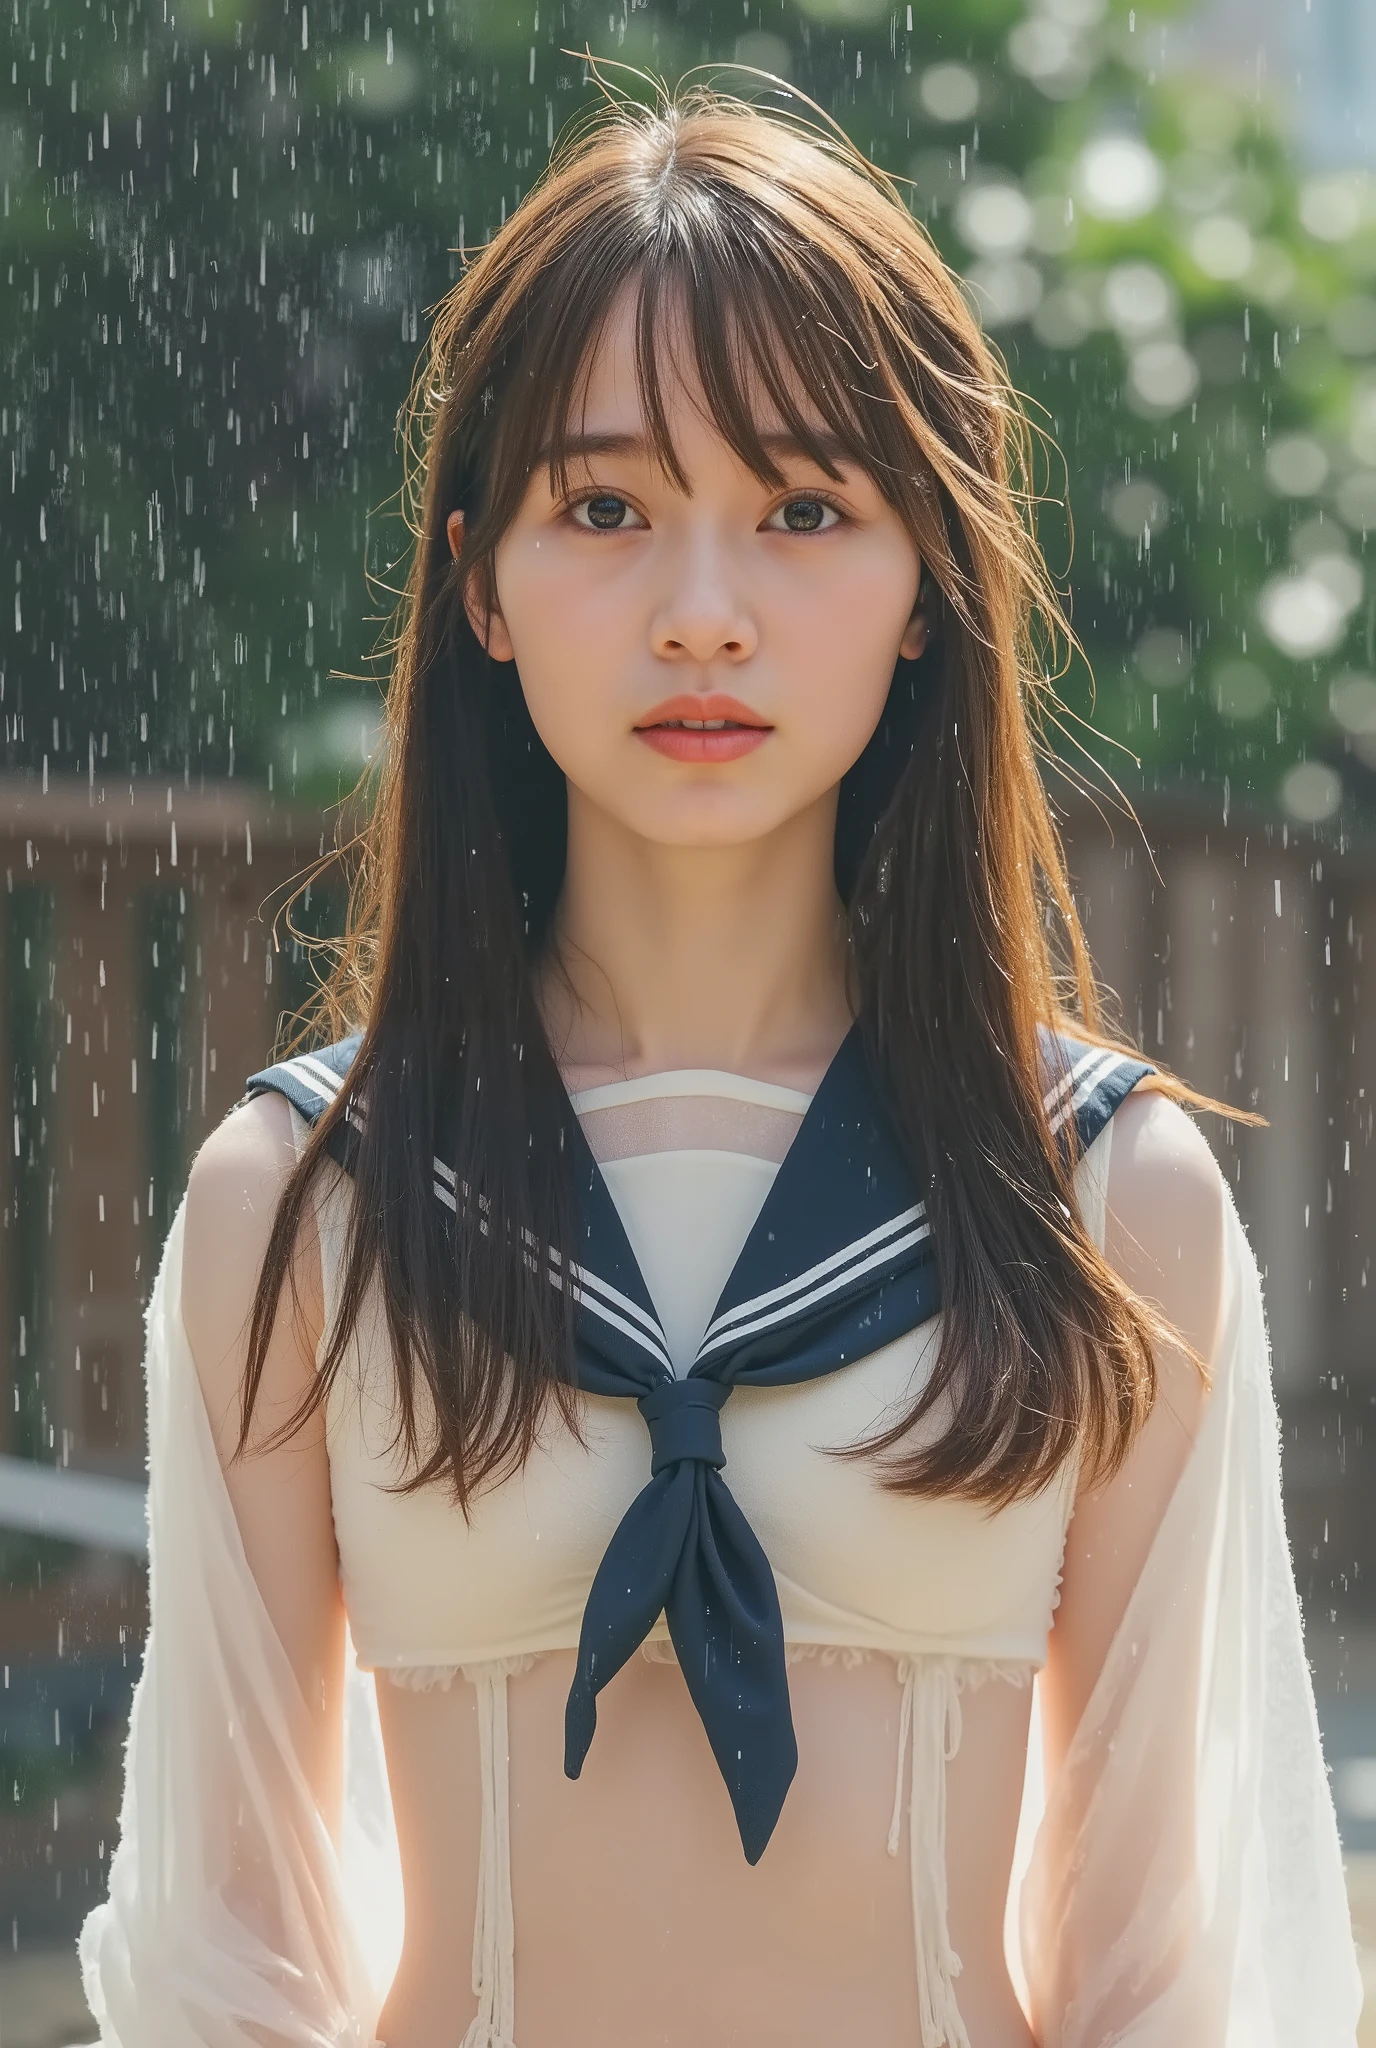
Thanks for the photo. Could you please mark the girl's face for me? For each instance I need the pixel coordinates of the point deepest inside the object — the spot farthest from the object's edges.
(702, 665)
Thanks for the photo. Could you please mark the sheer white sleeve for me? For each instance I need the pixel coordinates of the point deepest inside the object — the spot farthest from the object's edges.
(231, 1917)
(1184, 1887)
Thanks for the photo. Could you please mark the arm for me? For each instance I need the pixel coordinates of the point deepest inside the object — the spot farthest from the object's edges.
(1186, 1886)
(234, 1918)
(281, 1497)
(1164, 1236)
(1121, 1915)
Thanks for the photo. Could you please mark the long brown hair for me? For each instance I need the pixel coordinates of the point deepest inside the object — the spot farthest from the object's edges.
(798, 268)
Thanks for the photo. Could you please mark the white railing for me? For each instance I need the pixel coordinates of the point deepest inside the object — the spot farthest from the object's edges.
(83, 1507)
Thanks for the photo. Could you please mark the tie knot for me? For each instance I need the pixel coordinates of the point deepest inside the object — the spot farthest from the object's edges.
(684, 1418)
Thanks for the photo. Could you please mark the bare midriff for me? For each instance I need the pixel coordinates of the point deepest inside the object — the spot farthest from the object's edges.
(638, 1920)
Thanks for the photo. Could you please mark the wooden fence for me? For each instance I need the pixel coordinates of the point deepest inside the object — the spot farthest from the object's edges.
(139, 984)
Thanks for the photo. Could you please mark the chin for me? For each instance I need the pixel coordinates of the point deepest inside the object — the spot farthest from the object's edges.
(706, 827)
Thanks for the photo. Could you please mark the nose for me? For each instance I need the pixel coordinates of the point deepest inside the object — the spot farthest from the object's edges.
(702, 615)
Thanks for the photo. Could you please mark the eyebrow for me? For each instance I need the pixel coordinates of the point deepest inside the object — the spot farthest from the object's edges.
(588, 446)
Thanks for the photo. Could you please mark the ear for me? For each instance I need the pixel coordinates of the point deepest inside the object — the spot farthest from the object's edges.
(915, 635)
(490, 631)
(917, 632)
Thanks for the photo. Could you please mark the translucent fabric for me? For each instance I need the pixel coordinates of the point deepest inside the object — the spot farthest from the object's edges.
(1182, 1881)
(1186, 1889)
(232, 1916)
(689, 1111)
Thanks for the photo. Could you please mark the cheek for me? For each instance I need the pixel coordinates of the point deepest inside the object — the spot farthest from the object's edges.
(843, 630)
(565, 636)
(835, 717)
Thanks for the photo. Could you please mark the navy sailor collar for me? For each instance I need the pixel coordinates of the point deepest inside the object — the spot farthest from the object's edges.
(839, 1261)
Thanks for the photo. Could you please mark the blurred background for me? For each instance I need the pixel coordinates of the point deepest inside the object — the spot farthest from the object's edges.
(225, 225)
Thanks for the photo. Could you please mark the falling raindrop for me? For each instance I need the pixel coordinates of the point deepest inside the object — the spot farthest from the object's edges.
(200, 452)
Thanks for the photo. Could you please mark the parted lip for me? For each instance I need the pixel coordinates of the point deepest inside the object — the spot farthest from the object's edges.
(675, 709)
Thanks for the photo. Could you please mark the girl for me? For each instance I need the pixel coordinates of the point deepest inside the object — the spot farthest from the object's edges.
(742, 1296)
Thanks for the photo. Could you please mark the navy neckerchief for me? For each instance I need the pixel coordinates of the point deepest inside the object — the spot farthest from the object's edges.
(840, 1261)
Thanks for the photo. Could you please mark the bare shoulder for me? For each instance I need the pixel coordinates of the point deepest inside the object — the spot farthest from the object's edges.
(249, 1151)
(232, 1197)
(1166, 1213)
(234, 1188)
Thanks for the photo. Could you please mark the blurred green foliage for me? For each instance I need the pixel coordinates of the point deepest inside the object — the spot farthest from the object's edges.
(225, 222)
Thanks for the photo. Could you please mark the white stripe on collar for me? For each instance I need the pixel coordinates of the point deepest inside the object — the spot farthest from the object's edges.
(850, 1256)
(587, 1288)
(1100, 1066)
(587, 1284)
(1069, 1080)
(315, 1074)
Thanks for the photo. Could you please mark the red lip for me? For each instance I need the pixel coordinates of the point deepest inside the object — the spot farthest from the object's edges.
(712, 706)
(744, 731)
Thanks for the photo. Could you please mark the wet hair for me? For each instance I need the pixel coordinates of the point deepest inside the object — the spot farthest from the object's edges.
(791, 265)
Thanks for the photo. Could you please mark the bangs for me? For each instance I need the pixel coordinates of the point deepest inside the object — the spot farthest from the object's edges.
(763, 331)
(789, 287)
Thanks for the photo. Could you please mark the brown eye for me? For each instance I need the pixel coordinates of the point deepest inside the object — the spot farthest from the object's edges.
(606, 512)
(807, 515)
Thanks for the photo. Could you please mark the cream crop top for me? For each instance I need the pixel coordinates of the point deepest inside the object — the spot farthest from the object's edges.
(956, 1594)
(689, 1158)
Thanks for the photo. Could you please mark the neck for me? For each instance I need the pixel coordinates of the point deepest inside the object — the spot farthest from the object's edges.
(733, 957)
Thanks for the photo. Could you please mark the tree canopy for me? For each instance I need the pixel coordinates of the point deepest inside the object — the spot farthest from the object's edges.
(224, 222)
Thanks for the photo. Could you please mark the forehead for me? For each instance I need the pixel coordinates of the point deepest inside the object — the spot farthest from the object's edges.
(617, 390)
